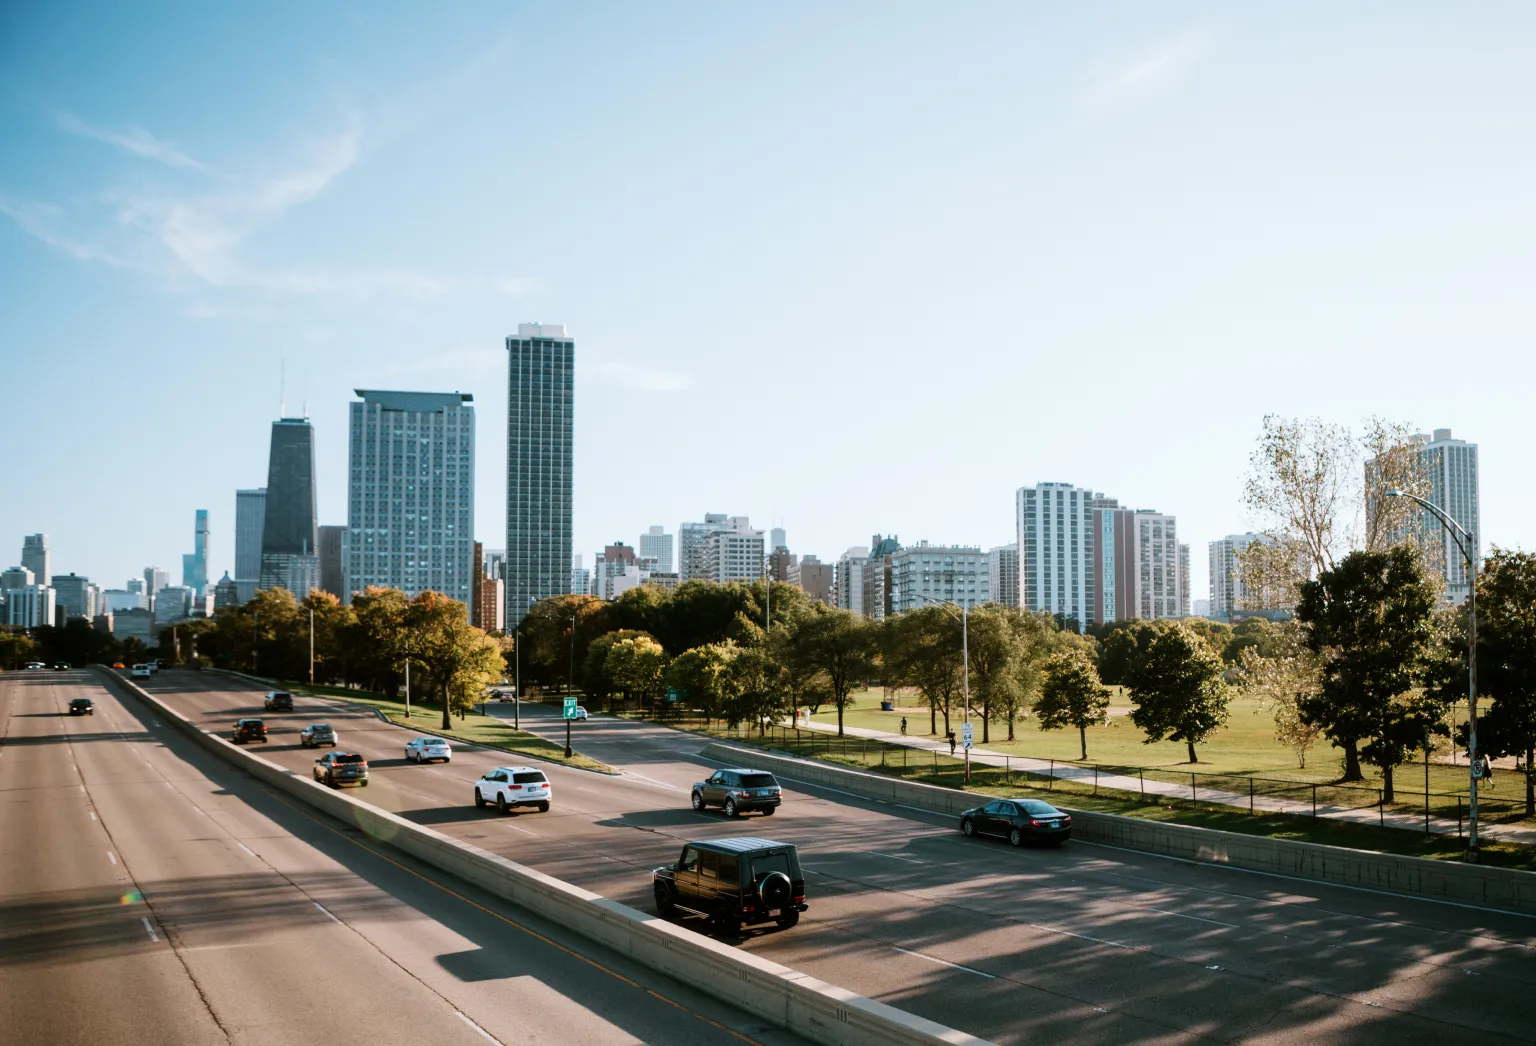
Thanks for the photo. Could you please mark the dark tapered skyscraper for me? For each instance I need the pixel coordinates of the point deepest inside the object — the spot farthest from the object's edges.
(289, 557)
(540, 399)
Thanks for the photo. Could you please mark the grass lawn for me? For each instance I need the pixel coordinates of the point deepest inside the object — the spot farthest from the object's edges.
(474, 728)
(948, 772)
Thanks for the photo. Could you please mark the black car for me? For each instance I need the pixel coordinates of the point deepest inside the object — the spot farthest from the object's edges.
(59, 666)
(339, 768)
(733, 882)
(737, 791)
(1019, 821)
(81, 706)
(278, 701)
(249, 730)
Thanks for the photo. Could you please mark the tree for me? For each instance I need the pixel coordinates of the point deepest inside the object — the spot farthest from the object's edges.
(635, 665)
(1258, 634)
(838, 643)
(1280, 671)
(596, 678)
(16, 648)
(701, 677)
(1073, 696)
(922, 650)
(1371, 618)
(1124, 646)
(77, 643)
(460, 660)
(556, 634)
(1037, 639)
(1177, 689)
(1506, 661)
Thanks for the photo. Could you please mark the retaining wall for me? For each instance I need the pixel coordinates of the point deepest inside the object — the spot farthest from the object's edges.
(821, 1012)
(1446, 880)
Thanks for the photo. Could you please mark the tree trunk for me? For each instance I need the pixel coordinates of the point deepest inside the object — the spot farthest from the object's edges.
(1192, 758)
(1010, 727)
(986, 736)
(1530, 782)
(1082, 737)
(839, 717)
(933, 718)
(447, 722)
(1352, 761)
(1386, 784)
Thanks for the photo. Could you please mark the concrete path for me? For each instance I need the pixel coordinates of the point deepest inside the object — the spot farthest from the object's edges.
(1125, 783)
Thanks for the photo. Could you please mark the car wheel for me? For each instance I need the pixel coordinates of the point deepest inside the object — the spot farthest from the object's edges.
(501, 804)
(365, 782)
(664, 906)
(968, 826)
(1016, 837)
(788, 919)
(479, 800)
(768, 811)
(698, 802)
(726, 923)
(730, 808)
(543, 808)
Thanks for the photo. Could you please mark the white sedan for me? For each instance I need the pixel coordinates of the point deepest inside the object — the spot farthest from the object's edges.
(426, 749)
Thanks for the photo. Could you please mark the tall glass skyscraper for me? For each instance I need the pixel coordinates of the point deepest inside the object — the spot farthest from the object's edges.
(194, 566)
(289, 558)
(540, 398)
(411, 494)
(250, 517)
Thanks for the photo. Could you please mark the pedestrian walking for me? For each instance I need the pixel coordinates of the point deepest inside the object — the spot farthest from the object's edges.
(903, 726)
(951, 736)
(1487, 771)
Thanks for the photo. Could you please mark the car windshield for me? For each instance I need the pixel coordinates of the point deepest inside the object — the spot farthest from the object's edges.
(350, 757)
(1039, 809)
(529, 777)
(757, 781)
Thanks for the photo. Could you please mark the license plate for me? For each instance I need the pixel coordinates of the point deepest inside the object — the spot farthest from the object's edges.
(773, 913)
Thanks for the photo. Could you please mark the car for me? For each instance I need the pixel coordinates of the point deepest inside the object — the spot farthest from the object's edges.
(59, 666)
(81, 706)
(36, 664)
(247, 730)
(316, 734)
(1019, 821)
(339, 768)
(737, 791)
(156, 664)
(581, 713)
(732, 883)
(141, 671)
(509, 786)
(278, 701)
(426, 749)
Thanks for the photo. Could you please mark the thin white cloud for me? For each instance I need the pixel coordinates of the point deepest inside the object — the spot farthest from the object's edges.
(35, 219)
(1155, 71)
(519, 286)
(135, 140)
(646, 379)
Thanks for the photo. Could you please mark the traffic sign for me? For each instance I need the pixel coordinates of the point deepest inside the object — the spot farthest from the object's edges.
(570, 708)
(967, 736)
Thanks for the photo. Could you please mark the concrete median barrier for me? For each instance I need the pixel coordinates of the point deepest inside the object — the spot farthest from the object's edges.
(821, 1012)
(1442, 880)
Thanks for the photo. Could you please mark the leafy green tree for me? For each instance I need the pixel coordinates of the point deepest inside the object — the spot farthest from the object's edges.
(556, 635)
(1177, 689)
(636, 666)
(597, 680)
(840, 645)
(374, 643)
(1258, 634)
(77, 643)
(16, 648)
(460, 660)
(1371, 616)
(1073, 696)
(754, 693)
(701, 677)
(1123, 645)
(922, 650)
(1506, 661)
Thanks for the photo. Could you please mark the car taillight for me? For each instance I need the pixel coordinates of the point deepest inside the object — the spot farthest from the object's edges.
(799, 898)
(1038, 824)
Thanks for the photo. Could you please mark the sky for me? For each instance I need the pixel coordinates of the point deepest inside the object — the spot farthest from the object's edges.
(843, 268)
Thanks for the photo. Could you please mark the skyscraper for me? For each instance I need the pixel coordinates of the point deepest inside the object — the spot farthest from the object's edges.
(1453, 488)
(75, 595)
(288, 532)
(1003, 574)
(1138, 569)
(333, 572)
(35, 557)
(411, 496)
(194, 567)
(155, 578)
(1056, 543)
(541, 366)
(657, 544)
(1228, 593)
(691, 558)
(250, 517)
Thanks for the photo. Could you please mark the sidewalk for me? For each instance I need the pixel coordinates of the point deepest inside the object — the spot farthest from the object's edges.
(1121, 782)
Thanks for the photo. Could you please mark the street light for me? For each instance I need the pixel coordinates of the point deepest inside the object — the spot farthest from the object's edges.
(517, 677)
(965, 656)
(570, 684)
(1463, 542)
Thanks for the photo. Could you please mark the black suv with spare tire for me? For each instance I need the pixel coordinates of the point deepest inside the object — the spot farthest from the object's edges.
(733, 883)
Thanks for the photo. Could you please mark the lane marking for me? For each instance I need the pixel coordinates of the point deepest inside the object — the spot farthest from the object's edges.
(150, 930)
(489, 1037)
(93, 815)
(941, 962)
(112, 857)
(894, 857)
(525, 831)
(82, 789)
(247, 849)
(326, 910)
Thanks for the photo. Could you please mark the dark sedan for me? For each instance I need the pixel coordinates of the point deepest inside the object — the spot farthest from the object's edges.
(1019, 821)
(81, 706)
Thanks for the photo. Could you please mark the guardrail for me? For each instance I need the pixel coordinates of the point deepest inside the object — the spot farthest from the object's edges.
(788, 998)
(1444, 880)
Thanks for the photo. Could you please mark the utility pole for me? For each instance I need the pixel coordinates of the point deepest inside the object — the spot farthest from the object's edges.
(517, 680)
(407, 686)
(255, 620)
(311, 649)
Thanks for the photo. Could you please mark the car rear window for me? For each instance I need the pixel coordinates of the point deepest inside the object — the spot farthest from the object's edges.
(757, 781)
(350, 757)
(1036, 807)
(528, 778)
(320, 729)
(763, 864)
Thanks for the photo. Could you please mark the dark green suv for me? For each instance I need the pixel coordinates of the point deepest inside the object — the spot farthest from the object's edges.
(733, 883)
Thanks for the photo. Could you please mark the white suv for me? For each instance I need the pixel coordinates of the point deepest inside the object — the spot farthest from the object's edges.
(141, 671)
(509, 786)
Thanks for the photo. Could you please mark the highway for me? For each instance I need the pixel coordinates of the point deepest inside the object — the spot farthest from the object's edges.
(1088, 944)
(151, 893)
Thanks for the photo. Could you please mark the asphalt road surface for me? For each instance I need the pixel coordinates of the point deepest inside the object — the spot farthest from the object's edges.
(150, 893)
(1088, 944)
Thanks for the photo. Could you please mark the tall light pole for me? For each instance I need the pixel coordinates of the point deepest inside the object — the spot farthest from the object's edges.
(311, 648)
(965, 656)
(517, 678)
(1464, 543)
(407, 686)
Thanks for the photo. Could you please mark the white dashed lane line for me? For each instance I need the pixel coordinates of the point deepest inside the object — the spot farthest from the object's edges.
(941, 962)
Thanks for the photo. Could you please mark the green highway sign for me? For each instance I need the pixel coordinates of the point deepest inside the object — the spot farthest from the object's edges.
(570, 708)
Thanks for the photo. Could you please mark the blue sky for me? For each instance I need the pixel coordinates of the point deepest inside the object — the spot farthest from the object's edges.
(844, 268)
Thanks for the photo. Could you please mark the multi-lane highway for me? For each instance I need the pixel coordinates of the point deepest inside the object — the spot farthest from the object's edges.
(151, 893)
(1088, 944)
